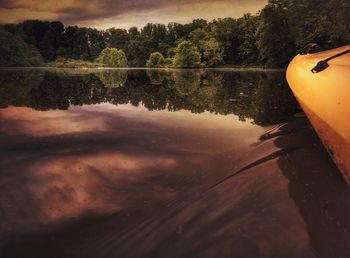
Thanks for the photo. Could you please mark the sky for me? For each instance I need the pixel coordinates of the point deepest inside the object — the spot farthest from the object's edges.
(103, 14)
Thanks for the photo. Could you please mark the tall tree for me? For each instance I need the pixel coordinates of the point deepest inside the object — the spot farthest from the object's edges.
(96, 43)
(15, 52)
(212, 53)
(225, 31)
(275, 42)
(45, 36)
(187, 55)
(116, 38)
(248, 52)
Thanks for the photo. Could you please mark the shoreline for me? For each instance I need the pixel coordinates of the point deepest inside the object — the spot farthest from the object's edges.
(142, 68)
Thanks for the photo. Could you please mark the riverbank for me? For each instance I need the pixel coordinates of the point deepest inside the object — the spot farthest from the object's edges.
(96, 67)
(83, 64)
(71, 63)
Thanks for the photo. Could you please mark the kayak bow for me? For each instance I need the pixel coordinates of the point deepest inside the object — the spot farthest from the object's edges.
(321, 83)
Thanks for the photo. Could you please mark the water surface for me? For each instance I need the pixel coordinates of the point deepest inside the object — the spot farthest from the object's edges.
(163, 163)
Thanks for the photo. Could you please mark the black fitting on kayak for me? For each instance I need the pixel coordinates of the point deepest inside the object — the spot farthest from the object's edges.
(310, 48)
(323, 64)
(320, 67)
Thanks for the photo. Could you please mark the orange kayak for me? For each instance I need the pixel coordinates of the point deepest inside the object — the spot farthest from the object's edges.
(323, 92)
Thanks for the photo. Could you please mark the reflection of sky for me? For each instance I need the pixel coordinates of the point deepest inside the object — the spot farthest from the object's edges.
(146, 177)
(63, 164)
(97, 118)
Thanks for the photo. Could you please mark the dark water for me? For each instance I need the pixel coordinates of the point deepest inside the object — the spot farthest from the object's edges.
(156, 163)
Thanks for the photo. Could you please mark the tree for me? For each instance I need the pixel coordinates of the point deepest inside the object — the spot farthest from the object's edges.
(15, 52)
(187, 55)
(96, 43)
(168, 62)
(155, 32)
(45, 36)
(155, 60)
(275, 42)
(212, 53)
(198, 36)
(248, 52)
(272, 37)
(116, 38)
(138, 51)
(75, 43)
(113, 57)
(226, 32)
(176, 31)
(326, 23)
(210, 49)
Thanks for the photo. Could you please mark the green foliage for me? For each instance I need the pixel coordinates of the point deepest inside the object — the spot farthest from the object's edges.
(112, 57)
(198, 37)
(187, 55)
(45, 36)
(155, 60)
(274, 40)
(72, 63)
(226, 32)
(248, 52)
(209, 48)
(168, 62)
(116, 38)
(212, 53)
(96, 43)
(138, 51)
(324, 22)
(271, 37)
(15, 52)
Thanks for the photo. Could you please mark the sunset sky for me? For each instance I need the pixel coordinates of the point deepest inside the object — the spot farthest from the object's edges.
(103, 14)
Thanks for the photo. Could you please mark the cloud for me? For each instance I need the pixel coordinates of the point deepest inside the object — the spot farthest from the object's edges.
(103, 13)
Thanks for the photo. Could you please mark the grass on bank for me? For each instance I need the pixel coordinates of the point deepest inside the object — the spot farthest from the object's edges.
(73, 63)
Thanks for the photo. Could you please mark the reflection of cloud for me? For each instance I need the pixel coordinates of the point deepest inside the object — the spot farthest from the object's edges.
(145, 177)
(74, 186)
(107, 13)
(100, 159)
(96, 118)
(38, 123)
(161, 203)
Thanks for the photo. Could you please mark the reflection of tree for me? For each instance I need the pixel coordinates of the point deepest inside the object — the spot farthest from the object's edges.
(186, 82)
(271, 97)
(15, 86)
(203, 89)
(58, 92)
(263, 97)
(157, 77)
(113, 78)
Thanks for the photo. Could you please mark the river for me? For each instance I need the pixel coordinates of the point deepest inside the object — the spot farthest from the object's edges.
(163, 163)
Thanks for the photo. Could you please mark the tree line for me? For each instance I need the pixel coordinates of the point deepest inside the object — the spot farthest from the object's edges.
(269, 38)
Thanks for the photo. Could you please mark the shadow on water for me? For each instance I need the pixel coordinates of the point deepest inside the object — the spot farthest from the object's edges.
(174, 199)
(318, 190)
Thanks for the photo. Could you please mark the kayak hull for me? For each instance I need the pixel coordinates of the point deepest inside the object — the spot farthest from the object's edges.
(324, 97)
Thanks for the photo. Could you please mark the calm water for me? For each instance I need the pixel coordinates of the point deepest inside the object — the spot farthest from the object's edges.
(156, 163)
